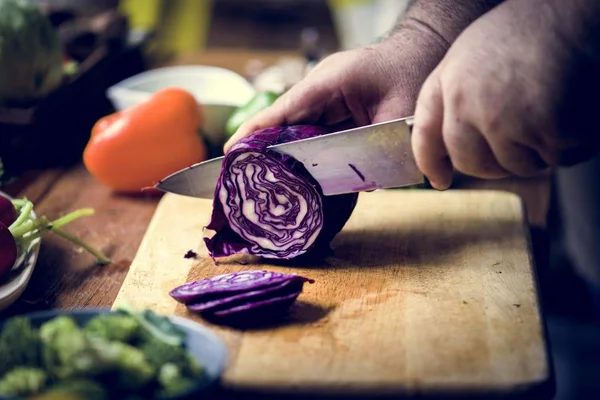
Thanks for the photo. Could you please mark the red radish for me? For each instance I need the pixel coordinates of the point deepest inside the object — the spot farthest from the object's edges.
(18, 230)
(8, 213)
(8, 250)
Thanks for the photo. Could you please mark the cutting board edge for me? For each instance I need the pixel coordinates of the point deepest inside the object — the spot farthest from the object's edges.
(542, 388)
(122, 295)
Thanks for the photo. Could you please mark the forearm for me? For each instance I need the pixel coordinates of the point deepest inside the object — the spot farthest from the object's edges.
(443, 18)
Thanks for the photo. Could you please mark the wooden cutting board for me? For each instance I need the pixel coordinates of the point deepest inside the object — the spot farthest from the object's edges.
(428, 293)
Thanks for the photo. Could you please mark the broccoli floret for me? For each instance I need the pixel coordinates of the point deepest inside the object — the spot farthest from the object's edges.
(159, 353)
(128, 365)
(173, 382)
(20, 345)
(68, 352)
(57, 327)
(23, 381)
(117, 327)
(80, 388)
(71, 353)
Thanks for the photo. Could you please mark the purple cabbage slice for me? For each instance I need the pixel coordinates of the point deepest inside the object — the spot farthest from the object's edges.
(287, 287)
(267, 204)
(275, 304)
(224, 285)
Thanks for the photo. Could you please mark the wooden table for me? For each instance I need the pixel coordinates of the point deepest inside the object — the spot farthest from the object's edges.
(68, 278)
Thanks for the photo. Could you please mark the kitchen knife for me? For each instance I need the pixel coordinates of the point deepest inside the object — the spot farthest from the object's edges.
(367, 158)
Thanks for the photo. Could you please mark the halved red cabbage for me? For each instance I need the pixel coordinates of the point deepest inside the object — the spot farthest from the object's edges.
(241, 293)
(267, 204)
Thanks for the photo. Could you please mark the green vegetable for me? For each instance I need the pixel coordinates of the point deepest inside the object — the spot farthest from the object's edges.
(31, 58)
(156, 326)
(20, 345)
(160, 353)
(23, 381)
(128, 355)
(85, 389)
(173, 381)
(128, 364)
(259, 102)
(122, 328)
(69, 352)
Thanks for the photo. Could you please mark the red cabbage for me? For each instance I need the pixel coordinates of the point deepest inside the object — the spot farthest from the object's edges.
(241, 293)
(287, 287)
(267, 306)
(267, 204)
(223, 285)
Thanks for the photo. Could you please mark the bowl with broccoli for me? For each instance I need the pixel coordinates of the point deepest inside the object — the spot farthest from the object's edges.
(99, 354)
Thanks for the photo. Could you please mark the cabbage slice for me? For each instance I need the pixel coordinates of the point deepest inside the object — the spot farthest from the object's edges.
(245, 293)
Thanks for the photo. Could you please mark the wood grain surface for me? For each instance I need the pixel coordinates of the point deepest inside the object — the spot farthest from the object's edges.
(428, 293)
(65, 276)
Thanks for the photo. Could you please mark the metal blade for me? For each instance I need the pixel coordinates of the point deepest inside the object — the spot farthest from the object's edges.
(198, 180)
(372, 157)
(367, 158)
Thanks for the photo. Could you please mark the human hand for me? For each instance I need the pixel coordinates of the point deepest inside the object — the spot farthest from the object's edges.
(511, 97)
(356, 87)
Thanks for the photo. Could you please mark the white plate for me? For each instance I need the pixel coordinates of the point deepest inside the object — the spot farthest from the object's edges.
(15, 281)
(219, 91)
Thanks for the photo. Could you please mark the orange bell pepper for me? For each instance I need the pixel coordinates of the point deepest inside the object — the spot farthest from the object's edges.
(131, 150)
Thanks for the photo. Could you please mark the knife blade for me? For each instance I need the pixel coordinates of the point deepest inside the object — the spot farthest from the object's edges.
(377, 156)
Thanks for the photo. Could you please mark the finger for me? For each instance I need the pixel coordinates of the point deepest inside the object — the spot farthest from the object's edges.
(335, 112)
(343, 125)
(518, 159)
(427, 141)
(469, 151)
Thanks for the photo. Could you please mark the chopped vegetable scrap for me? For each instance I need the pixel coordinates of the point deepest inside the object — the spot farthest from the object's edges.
(190, 254)
(18, 230)
(241, 294)
(267, 204)
(122, 355)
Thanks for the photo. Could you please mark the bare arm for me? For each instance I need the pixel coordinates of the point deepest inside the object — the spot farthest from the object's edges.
(378, 82)
(444, 18)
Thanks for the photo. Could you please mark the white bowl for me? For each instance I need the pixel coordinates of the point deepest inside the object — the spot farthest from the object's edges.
(219, 91)
(16, 280)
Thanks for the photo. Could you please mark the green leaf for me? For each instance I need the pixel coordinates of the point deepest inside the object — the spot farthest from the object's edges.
(157, 326)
